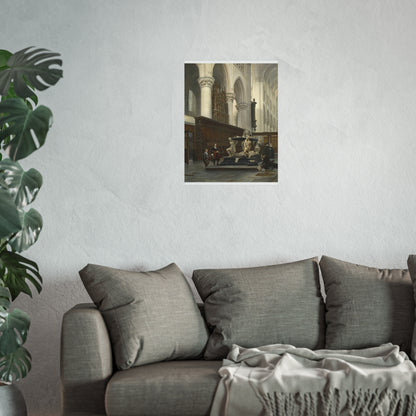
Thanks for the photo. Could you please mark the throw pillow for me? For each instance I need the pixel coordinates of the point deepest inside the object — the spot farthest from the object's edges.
(366, 306)
(150, 316)
(411, 263)
(262, 305)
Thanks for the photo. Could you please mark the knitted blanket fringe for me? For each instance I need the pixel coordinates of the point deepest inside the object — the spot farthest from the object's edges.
(358, 402)
(282, 380)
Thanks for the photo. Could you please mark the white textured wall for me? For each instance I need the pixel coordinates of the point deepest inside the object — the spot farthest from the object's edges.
(112, 164)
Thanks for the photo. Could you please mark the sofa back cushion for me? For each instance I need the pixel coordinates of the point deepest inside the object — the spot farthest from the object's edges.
(262, 305)
(150, 316)
(366, 306)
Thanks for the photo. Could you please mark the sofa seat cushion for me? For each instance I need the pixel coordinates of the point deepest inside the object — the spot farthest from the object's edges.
(183, 388)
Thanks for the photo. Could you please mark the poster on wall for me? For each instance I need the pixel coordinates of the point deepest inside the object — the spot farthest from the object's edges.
(231, 132)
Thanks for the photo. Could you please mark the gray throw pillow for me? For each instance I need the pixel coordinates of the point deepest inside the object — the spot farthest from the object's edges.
(366, 306)
(262, 305)
(150, 316)
(411, 263)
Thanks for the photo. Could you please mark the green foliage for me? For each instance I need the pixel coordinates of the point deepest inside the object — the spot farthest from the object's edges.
(4, 299)
(32, 223)
(9, 215)
(15, 365)
(32, 100)
(22, 123)
(14, 331)
(23, 186)
(15, 360)
(23, 129)
(15, 270)
(4, 57)
(33, 67)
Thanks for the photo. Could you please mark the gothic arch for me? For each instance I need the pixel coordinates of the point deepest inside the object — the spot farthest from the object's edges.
(239, 90)
(192, 91)
(219, 96)
(270, 77)
(221, 75)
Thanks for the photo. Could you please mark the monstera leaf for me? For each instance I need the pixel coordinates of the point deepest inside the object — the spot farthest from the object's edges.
(15, 270)
(15, 360)
(17, 189)
(15, 366)
(22, 124)
(4, 57)
(33, 67)
(10, 218)
(22, 186)
(4, 301)
(31, 222)
(13, 331)
(31, 101)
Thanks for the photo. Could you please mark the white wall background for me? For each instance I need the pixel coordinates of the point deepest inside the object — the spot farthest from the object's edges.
(113, 162)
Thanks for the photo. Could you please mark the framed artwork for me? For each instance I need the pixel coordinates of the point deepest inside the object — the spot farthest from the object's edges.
(231, 123)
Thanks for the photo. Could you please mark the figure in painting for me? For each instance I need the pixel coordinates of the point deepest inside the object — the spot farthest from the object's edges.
(215, 155)
(259, 145)
(205, 157)
(246, 146)
(232, 150)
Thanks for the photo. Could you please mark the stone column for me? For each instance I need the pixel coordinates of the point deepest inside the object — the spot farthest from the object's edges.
(244, 118)
(230, 104)
(206, 83)
(258, 95)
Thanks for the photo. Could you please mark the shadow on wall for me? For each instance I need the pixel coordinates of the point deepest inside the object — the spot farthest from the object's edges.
(41, 387)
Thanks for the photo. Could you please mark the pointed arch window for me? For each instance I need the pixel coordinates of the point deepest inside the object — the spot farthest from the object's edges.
(191, 102)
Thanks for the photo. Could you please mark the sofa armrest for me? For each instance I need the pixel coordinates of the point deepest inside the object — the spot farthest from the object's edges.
(86, 361)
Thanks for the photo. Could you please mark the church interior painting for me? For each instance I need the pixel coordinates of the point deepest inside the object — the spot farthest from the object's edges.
(231, 122)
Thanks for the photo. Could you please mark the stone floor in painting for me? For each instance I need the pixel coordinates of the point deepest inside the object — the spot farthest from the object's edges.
(196, 172)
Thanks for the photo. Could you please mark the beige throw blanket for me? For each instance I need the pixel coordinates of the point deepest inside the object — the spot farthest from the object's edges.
(281, 380)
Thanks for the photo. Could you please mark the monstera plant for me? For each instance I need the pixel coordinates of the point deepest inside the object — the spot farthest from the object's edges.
(23, 129)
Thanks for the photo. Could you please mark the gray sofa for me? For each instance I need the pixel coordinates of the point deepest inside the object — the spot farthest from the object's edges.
(249, 307)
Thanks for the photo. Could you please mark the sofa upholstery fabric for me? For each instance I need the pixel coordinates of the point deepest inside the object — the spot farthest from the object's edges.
(262, 305)
(411, 263)
(172, 388)
(366, 306)
(86, 361)
(151, 316)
